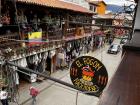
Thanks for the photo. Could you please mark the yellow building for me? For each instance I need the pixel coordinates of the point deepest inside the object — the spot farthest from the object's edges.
(101, 8)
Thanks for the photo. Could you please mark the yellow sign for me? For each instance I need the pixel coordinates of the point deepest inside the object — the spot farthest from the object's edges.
(35, 35)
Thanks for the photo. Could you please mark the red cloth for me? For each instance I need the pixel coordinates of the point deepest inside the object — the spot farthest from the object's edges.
(33, 91)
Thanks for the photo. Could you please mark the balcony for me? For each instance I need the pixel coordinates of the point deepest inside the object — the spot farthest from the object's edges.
(9, 40)
(55, 34)
(87, 29)
(71, 32)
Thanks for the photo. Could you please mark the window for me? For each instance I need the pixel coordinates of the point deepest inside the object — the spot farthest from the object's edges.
(99, 21)
(94, 9)
(108, 22)
(91, 7)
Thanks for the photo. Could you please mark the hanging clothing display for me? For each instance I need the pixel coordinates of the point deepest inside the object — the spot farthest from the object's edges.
(44, 55)
(53, 57)
(17, 78)
(35, 59)
(75, 54)
(48, 64)
(41, 66)
(15, 74)
(32, 64)
(61, 56)
(68, 52)
(22, 62)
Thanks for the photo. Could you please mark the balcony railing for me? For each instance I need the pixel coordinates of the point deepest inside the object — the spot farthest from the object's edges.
(9, 40)
(88, 29)
(71, 32)
(55, 34)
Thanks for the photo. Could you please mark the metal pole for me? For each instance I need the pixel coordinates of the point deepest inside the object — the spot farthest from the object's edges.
(77, 98)
(51, 78)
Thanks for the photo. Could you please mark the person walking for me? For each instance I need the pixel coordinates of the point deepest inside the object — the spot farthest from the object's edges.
(33, 92)
(4, 96)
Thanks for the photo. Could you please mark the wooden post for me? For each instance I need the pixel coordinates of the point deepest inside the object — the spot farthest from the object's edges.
(66, 25)
(0, 11)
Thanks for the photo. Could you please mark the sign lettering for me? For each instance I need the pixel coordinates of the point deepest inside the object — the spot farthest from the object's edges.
(89, 74)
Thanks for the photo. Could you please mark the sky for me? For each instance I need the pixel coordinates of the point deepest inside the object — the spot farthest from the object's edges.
(118, 2)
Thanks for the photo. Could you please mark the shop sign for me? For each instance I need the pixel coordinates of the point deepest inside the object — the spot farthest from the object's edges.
(89, 74)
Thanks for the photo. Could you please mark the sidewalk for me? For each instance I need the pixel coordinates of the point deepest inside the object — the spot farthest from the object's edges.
(24, 95)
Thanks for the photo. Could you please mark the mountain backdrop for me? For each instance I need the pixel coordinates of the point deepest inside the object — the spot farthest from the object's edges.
(115, 8)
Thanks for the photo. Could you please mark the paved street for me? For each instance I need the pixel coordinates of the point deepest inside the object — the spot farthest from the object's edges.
(56, 94)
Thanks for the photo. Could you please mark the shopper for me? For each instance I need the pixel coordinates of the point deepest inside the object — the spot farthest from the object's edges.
(4, 96)
(33, 92)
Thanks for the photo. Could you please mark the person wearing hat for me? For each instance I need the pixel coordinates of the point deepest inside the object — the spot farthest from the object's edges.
(33, 92)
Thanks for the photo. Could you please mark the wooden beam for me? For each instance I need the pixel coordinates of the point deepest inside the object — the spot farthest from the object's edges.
(0, 11)
(100, 25)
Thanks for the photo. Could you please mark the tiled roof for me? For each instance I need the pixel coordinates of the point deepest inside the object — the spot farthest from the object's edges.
(97, 2)
(57, 4)
(92, 2)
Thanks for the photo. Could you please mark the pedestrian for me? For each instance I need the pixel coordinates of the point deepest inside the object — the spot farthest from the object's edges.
(110, 41)
(33, 92)
(4, 96)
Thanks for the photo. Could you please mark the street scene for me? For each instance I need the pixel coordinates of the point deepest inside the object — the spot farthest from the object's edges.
(67, 96)
(69, 52)
(57, 94)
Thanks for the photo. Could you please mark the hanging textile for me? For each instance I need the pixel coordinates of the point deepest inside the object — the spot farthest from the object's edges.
(48, 62)
(16, 76)
(61, 59)
(53, 57)
(69, 50)
(35, 59)
(41, 66)
(22, 62)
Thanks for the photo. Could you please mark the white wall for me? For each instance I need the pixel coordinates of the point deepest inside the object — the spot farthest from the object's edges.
(82, 3)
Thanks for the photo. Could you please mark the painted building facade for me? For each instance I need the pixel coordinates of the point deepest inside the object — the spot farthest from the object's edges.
(82, 3)
(101, 8)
